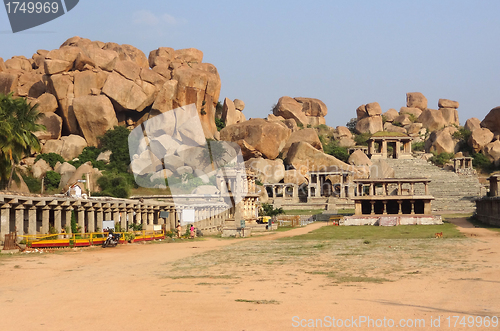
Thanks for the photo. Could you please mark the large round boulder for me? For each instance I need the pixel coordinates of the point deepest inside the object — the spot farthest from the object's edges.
(492, 121)
(480, 138)
(267, 171)
(268, 138)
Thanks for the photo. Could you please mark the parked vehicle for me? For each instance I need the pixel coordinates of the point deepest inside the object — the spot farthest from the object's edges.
(112, 240)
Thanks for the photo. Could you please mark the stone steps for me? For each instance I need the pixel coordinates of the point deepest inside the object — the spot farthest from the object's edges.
(452, 192)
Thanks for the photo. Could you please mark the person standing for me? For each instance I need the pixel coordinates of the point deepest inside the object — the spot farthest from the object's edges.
(179, 230)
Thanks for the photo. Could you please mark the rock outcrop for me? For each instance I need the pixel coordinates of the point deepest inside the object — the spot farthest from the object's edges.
(304, 158)
(369, 118)
(267, 171)
(303, 110)
(492, 121)
(442, 141)
(480, 138)
(84, 78)
(472, 124)
(416, 100)
(257, 135)
(230, 114)
(307, 135)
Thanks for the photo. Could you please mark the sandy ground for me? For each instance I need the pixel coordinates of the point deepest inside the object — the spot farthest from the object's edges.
(131, 287)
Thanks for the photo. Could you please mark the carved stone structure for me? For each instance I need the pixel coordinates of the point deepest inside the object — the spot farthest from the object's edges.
(488, 208)
(30, 215)
(463, 166)
(392, 201)
(401, 147)
(364, 149)
(280, 193)
(330, 183)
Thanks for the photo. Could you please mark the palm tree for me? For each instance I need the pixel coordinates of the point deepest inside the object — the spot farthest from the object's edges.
(18, 121)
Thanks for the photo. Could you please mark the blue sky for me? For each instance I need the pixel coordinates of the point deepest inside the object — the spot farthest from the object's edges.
(346, 53)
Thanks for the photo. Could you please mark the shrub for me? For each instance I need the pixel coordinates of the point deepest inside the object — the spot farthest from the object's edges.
(50, 158)
(362, 139)
(115, 185)
(89, 154)
(418, 146)
(219, 124)
(340, 153)
(269, 210)
(135, 227)
(351, 125)
(396, 123)
(332, 148)
(51, 180)
(116, 141)
(442, 158)
(34, 184)
(482, 162)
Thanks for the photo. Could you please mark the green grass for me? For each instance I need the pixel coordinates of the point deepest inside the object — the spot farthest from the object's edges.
(379, 232)
(303, 211)
(345, 211)
(388, 134)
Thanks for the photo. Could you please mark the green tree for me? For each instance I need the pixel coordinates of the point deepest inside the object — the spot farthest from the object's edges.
(116, 141)
(18, 121)
(52, 180)
(269, 210)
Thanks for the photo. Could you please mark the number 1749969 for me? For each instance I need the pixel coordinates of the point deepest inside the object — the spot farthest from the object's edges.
(32, 7)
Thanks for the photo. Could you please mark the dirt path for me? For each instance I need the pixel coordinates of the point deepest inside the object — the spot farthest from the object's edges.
(129, 288)
(470, 230)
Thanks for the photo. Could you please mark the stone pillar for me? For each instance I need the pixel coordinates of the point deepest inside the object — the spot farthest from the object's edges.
(342, 190)
(412, 188)
(400, 188)
(122, 219)
(81, 219)
(19, 220)
(100, 218)
(151, 218)
(4, 220)
(138, 216)
(130, 216)
(400, 210)
(385, 207)
(373, 207)
(409, 147)
(45, 220)
(372, 189)
(57, 219)
(398, 148)
(412, 207)
(358, 208)
(32, 220)
(68, 212)
(116, 216)
(426, 188)
(171, 217)
(428, 209)
(91, 219)
(384, 149)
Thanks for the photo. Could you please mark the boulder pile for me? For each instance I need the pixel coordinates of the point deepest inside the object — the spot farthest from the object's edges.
(87, 87)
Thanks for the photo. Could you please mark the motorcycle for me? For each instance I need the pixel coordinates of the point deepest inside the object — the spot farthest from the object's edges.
(112, 240)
